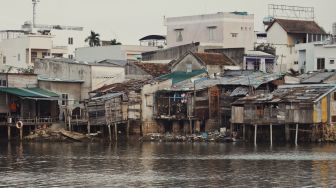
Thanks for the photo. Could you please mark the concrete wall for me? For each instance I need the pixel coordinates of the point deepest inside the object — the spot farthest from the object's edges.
(310, 52)
(285, 53)
(105, 75)
(74, 94)
(115, 52)
(58, 69)
(22, 80)
(17, 51)
(188, 59)
(196, 29)
(149, 124)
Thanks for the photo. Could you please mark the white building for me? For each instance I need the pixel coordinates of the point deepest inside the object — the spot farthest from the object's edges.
(22, 50)
(284, 34)
(316, 56)
(114, 52)
(334, 29)
(227, 30)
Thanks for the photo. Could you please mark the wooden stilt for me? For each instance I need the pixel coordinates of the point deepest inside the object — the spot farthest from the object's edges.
(21, 133)
(69, 121)
(244, 132)
(9, 132)
(109, 130)
(190, 126)
(255, 134)
(296, 134)
(116, 132)
(128, 128)
(271, 134)
(287, 136)
(89, 128)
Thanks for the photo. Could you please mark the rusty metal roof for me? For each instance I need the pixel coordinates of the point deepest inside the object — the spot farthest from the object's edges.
(292, 94)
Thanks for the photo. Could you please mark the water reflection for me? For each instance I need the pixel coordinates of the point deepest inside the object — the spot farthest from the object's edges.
(166, 164)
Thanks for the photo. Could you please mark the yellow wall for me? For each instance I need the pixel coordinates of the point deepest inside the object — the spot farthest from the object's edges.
(321, 111)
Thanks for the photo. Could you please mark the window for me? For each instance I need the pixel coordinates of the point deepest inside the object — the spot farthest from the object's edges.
(70, 56)
(234, 35)
(296, 62)
(65, 98)
(335, 96)
(3, 83)
(19, 57)
(179, 36)
(4, 59)
(211, 31)
(70, 40)
(189, 67)
(333, 118)
(320, 63)
(332, 61)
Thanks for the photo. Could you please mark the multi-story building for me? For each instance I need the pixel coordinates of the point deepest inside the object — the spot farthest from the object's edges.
(316, 56)
(285, 34)
(224, 29)
(21, 51)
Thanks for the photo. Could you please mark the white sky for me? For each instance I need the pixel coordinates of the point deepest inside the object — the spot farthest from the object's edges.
(129, 20)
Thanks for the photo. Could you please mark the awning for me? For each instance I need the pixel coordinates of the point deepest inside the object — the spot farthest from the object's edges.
(30, 93)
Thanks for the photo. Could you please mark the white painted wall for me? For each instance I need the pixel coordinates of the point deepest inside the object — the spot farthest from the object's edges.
(105, 75)
(313, 51)
(115, 52)
(286, 54)
(196, 29)
(62, 36)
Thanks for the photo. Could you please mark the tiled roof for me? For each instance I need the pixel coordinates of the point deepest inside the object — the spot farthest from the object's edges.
(299, 26)
(180, 76)
(214, 58)
(153, 69)
(129, 85)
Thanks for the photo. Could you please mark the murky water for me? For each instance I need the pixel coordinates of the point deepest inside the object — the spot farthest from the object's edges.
(166, 165)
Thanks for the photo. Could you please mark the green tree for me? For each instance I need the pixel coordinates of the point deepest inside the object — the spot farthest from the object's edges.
(115, 42)
(93, 39)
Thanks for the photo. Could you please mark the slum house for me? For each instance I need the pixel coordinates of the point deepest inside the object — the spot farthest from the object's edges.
(214, 97)
(305, 109)
(21, 100)
(173, 107)
(73, 81)
(117, 104)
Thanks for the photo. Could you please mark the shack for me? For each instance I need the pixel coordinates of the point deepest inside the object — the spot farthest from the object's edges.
(117, 104)
(304, 108)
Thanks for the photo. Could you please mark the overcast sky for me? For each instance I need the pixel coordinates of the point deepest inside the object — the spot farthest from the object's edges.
(129, 20)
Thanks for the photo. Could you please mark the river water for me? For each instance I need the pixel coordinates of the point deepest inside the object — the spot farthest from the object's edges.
(137, 164)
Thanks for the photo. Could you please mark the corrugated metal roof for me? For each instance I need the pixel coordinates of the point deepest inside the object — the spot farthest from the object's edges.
(255, 79)
(253, 53)
(292, 93)
(316, 77)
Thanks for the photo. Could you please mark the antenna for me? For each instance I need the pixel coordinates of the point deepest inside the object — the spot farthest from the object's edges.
(34, 11)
